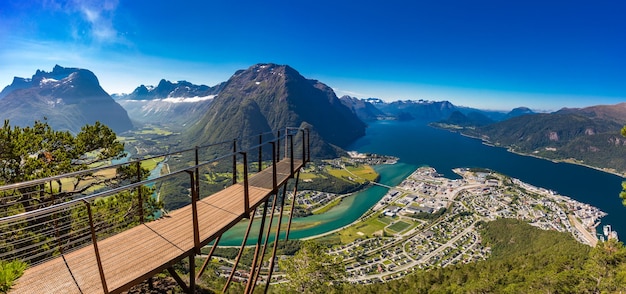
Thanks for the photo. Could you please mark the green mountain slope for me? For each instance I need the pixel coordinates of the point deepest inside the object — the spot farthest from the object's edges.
(270, 97)
(524, 259)
(589, 136)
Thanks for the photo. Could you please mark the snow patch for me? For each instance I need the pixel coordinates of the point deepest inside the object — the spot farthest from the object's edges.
(188, 99)
(175, 99)
(258, 83)
(47, 81)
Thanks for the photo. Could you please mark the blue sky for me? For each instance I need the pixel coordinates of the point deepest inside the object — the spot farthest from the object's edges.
(488, 54)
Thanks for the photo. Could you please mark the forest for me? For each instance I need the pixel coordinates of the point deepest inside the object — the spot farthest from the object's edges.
(524, 259)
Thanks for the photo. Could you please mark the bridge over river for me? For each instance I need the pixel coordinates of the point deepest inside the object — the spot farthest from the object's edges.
(65, 233)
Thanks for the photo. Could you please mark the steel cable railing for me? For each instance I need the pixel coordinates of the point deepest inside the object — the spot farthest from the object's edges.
(43, 218)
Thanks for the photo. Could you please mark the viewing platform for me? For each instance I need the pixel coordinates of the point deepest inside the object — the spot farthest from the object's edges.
(114, 263)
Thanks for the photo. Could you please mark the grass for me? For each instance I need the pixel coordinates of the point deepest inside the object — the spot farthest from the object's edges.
(309, 176)
(127, 139)
(364, 171)
(399, 226)
(216, 178)
(152, 163)
(359, 174)
(155, 131)
(327, 207)
(344, 174)
(367, 227)
(9, 272)
(68, 183)
(385, 219)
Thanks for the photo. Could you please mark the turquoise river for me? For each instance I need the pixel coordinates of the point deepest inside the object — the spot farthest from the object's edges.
(417, 144)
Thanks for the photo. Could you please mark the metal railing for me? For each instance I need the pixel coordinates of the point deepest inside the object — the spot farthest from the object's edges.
(45, 218)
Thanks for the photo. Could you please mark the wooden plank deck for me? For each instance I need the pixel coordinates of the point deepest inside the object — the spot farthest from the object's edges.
(132, 256)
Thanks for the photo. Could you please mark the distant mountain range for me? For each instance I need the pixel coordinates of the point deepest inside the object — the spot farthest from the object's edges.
(588, 136)
(167, 89)
(363, 108)
(268, 97)
(175, 105)
(68, 98)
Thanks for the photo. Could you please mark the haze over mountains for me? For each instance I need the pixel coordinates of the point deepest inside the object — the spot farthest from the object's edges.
(268, 97)
(173, 104)
(68, 98)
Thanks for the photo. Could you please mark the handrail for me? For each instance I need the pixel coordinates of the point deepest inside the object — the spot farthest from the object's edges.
(75, 229)
(181, 151)
(96, 169)
(56, 207)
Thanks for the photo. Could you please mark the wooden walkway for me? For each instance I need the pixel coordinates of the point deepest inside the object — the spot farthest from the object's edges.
(132, 256)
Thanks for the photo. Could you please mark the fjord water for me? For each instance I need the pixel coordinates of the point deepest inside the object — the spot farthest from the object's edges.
(417, 144)
(346, 212)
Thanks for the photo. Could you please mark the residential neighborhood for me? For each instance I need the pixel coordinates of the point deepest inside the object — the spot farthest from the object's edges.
(432, 222)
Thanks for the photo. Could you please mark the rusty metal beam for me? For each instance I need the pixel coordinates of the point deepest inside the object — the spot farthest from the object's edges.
(180, 281)
(249, 284)
(280, 218)
(267, 237)
(208, 258)
(293, 204)
(243, 246)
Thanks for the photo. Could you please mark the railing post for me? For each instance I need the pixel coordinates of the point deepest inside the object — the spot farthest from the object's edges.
(278, 145)
(197, 187)
(291, 155)
(139, 196)
(194, 213)
(246, 190)
(94, 240)
(235, 161)
(303, 149)
(286, 140)
(192, 272)
(56, 220)
(260, 152)
(274, 171)
(308, 145)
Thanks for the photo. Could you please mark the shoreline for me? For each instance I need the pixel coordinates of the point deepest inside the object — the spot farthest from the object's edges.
(621, 175)
(509, 149)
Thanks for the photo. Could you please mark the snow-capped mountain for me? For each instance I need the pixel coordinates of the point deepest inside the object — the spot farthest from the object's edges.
(173, 104)
(68, 98)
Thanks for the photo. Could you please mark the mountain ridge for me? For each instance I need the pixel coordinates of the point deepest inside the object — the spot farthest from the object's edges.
(279, 97)
(172, 104)
(68, 98)
(589, 136)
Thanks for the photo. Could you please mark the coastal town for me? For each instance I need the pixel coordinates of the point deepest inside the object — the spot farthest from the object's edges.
(432, 221)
